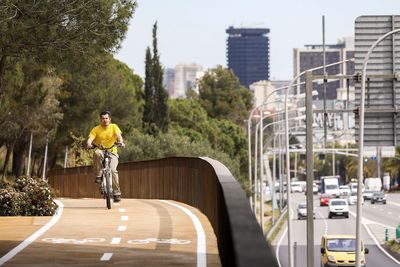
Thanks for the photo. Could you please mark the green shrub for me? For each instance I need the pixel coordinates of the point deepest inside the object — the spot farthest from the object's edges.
(27, 197)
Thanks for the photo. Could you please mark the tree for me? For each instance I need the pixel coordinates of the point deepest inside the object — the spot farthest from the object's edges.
(222, 96)
(156, 114)
(52, 31)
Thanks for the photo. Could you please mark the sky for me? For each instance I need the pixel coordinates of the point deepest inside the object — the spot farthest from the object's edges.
(192, 31)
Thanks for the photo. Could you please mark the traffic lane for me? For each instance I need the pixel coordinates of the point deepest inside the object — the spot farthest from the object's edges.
(323, 225)
(138, 232)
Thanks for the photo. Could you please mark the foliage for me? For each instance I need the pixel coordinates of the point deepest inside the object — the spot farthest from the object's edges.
(53, 31)
(27, 197)
(222, 96)
(143, 147)
(156, 114)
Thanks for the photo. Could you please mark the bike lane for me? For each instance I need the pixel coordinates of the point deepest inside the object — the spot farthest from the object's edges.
(133, 233)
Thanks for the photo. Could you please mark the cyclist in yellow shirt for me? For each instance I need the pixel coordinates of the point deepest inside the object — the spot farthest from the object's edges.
(106, 134)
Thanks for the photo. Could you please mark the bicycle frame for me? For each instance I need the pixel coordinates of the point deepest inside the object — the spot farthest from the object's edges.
(106, 180)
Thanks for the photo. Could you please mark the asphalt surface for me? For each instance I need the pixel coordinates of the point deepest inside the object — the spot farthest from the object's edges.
(133, 233)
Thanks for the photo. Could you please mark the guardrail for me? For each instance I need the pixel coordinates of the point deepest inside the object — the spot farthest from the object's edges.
(203, 183)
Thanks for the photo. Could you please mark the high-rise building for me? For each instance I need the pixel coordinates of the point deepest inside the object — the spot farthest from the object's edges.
(183, 77)
(169, 80)
(248, 54)
(186, 76)
(311, 56)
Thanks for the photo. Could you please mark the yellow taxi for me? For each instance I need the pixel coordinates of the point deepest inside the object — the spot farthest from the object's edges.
(339, 250)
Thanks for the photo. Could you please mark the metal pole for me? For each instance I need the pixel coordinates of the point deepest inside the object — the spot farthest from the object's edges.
(261, 169)
(249, 158)
(256, 171)
(325, 80)
(310, 170)
(361, 146)
(66, 157)
(28, 169)
(289, 221)
(45, 160)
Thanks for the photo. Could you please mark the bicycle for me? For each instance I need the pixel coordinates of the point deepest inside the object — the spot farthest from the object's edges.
(106, 177)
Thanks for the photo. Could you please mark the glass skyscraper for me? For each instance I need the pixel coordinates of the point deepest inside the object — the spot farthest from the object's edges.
(248, 54)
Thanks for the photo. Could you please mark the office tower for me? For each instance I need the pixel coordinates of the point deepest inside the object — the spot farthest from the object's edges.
(311, 56)
(186, 76)
(248, 54)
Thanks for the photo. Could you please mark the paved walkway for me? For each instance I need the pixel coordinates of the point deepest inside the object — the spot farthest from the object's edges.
(133, 233)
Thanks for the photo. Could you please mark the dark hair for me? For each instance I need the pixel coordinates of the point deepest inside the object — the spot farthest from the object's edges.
(105, 113)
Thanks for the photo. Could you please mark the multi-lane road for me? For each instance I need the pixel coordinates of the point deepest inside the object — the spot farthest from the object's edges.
(376, 218)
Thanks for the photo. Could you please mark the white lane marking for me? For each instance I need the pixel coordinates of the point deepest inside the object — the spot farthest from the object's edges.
(364, 222)
(121, 210)
(390, 213)
(124, 218)
(279, 243)
(116, 240)
(393, 203)
(33, 237)
(121, 228)
(201, 236)
(173, 241)
(116, 204)
(106, 257)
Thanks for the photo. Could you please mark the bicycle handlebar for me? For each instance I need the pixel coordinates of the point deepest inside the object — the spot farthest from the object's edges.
(118, 144)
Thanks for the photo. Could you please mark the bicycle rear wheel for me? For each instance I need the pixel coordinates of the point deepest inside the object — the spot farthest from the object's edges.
(108, 189)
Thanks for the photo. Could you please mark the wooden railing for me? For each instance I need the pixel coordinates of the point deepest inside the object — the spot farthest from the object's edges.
(203, 183)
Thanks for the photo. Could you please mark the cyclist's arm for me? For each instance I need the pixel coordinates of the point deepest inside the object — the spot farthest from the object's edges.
(89, 142)
(120, 139)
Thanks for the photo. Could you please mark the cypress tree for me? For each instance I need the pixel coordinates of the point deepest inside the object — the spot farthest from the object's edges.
(148, 115)
(160, 94)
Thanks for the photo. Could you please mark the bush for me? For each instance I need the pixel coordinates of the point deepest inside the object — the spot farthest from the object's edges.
(27, 197)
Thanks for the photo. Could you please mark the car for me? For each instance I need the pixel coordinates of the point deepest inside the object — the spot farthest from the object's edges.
(353, 199)
(338, 207)
(302, 211)
(339, 250)
(378, 197)
(367, 194)
(296, 187)
(344, 190)
(324, 199)
(315, 188)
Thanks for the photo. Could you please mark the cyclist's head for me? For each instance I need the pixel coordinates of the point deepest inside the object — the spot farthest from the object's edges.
(105, 113)
(105, 118)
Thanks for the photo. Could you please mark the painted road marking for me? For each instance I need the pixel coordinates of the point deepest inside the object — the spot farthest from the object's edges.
(33, 237)
(116, 204)
(58, 240)
(124, 218)
(121, 210)
(172, 241)
(121, 228)
(116, 240)
(106, 256)
(201, 236)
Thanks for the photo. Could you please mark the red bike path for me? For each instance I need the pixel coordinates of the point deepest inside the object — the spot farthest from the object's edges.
(134, 232)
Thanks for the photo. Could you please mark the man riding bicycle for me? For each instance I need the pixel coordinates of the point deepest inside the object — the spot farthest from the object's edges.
(106, 134)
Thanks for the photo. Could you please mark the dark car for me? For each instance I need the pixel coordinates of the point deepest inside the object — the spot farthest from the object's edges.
(378, 197)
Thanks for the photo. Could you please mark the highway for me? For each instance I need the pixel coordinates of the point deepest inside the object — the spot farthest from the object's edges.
(376, 217)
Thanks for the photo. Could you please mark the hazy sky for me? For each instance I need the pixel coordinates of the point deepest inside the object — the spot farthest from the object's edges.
(192, 31)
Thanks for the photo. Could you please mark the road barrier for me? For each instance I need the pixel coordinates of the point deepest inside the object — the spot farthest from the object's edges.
(203, 183)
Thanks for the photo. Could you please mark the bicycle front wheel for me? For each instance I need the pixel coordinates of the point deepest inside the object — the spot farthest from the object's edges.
(108, 189)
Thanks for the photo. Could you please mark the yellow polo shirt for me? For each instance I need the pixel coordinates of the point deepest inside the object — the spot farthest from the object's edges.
(106, 136)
